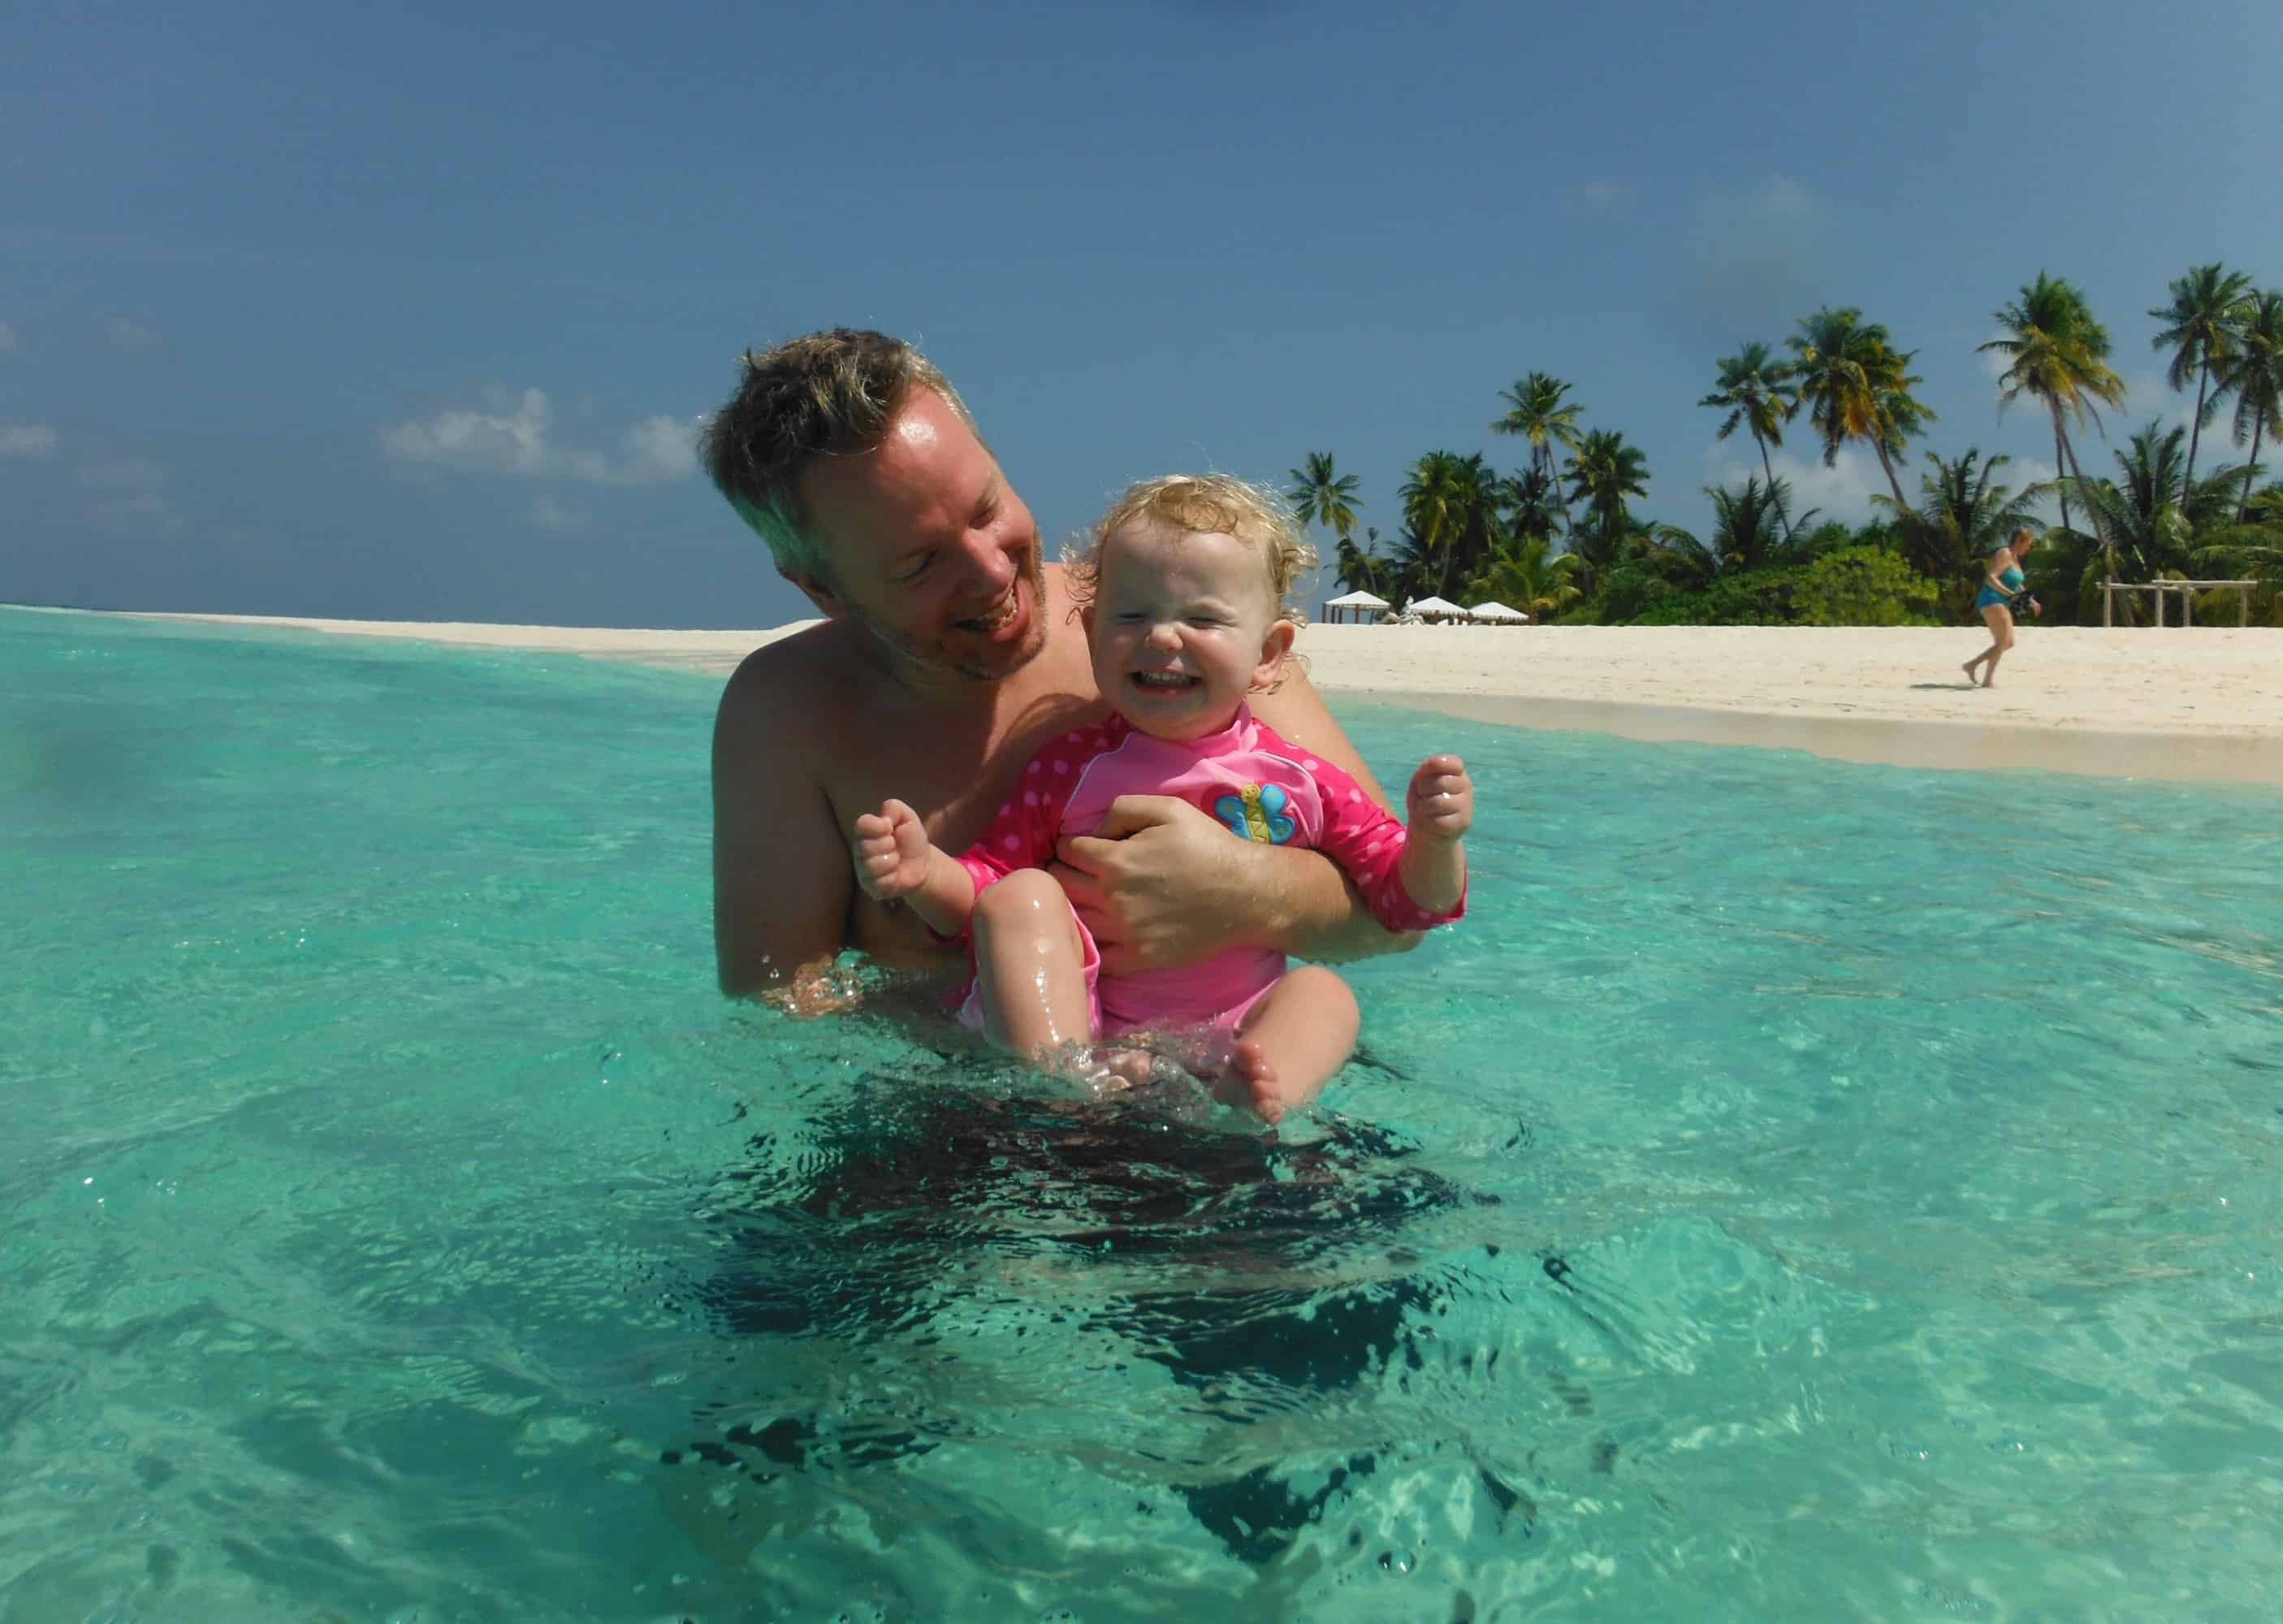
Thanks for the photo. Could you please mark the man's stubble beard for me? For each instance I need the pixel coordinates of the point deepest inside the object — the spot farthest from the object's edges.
(935, 656)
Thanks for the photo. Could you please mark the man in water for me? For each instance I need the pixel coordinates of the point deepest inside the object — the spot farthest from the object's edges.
(949, 653)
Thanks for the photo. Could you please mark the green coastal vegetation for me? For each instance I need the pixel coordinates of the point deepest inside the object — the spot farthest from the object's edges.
(1557, 538)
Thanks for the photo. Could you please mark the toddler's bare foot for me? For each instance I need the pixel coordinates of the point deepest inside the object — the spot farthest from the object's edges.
(1253, 1081)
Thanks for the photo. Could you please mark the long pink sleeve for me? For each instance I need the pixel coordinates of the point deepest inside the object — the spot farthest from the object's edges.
(1368, 843)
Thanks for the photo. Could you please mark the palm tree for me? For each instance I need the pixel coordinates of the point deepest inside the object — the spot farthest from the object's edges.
(1744, 522)
(1751, 388)
(1856, 385)
(2253, 546)
(2254, 374)
(1603, 472)
(2060, 356)
(1360, 569)
(1450, 509)
(1533, 502)
(2207, 306)
(1964, 516)
(1524, 572)
(1673, 556)
(1396, 575)
(1320, 496)
(1538, 414)
(2153, 519)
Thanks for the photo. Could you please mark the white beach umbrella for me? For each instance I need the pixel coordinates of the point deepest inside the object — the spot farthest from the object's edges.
(1360, 605)
(1499, 611)
(1434, 606)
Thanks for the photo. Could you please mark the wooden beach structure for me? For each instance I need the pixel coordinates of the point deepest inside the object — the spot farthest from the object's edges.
(2109, 589)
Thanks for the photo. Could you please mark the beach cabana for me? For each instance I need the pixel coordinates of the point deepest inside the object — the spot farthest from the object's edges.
(1499, 613)
(1359, 606)
(1434, 609)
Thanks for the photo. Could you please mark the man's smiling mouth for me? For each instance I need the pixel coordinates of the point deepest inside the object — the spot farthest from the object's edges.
(999, 615)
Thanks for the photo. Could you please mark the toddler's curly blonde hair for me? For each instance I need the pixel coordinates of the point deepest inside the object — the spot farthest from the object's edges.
(1212, 504)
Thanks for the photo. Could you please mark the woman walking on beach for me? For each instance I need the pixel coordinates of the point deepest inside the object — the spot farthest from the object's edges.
(2003, 587)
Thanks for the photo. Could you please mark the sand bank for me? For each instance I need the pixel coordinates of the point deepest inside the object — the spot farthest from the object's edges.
(699, 651)
(2200, 703)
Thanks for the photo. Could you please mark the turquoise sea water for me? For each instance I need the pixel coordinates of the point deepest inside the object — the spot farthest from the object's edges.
(1799, 1191)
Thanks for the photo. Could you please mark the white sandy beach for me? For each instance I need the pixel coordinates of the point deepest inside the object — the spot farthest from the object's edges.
(2195, 703)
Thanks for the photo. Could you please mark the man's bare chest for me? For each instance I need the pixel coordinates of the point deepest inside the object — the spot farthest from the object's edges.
(954, 771)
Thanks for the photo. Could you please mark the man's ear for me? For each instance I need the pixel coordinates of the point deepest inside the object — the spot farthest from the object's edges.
(1273, 648)
(829, 602)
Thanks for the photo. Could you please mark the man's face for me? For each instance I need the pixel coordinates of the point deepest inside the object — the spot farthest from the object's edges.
(933, 552)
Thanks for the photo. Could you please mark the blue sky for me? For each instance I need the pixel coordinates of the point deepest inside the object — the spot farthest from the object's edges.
(383, 311)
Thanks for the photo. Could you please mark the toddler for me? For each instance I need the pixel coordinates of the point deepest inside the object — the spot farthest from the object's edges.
(1182, 586)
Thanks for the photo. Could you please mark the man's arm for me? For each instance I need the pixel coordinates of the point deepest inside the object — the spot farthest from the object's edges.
(1160, 883)
(782, 879)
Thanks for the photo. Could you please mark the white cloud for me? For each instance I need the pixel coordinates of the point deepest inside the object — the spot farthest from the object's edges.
(482, 442)
(124, 475)
(2153, 397)
(657, 448)
(130, 336)
(2021, 473)
(662, 447)
(1843, 491)
(7, 337)
(549, 515)
(27, 440)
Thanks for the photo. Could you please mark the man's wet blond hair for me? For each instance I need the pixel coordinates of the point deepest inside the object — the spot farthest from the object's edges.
(824, 394)
(1211, 504)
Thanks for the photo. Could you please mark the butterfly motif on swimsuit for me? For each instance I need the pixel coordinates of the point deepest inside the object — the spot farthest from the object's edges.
(1257, 813)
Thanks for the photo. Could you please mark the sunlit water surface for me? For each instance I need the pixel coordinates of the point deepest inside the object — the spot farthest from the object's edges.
(1798, 1191)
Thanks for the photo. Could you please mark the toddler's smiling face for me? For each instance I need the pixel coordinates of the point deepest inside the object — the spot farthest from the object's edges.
(1183, 624)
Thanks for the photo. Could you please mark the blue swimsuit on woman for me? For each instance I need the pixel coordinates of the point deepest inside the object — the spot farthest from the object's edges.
(1989, 595)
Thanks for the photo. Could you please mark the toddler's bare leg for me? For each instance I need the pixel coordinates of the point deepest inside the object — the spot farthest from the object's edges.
(1030, 966)
(1293, 1041)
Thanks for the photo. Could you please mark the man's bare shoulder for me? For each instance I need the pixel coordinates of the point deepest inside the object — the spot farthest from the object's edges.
(786, 690)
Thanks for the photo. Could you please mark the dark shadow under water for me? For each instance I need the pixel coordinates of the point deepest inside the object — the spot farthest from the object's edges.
(1232, 1260)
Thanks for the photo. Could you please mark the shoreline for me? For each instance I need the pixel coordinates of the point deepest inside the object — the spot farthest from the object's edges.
(2196, 704)
(1973, 747)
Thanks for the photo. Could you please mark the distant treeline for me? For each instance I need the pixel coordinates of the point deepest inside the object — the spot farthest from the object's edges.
(1556, 538)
